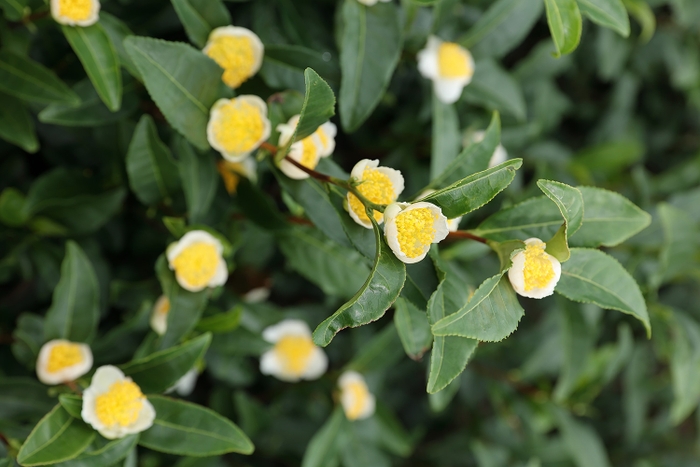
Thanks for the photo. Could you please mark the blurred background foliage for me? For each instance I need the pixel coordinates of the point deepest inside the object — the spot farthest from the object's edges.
(574, 386)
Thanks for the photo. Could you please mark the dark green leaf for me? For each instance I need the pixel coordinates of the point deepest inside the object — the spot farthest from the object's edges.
(608, 13)
(199, 179)
(495, 88)
(14, 9)
(258, 207)
(299, 58)
(23, 399)
(16, 124)
(221, 322)
(535, 217)
(105, 453)
(446, 137)
(681, 244)
(582, 441)
(117, 31)
(564, 19)
(12, 207)
(28, 338)
(31, 81)
(71, 403)
(570, 203)
(199, 17)
(322, 450)
(413, 328)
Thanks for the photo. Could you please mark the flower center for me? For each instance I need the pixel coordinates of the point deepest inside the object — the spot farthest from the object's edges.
(235, 55)
(120, 405)
(452, 61)
(538, 270)
(76, 10)
(231, 174)
(323, 137)
(308, 153)
(377, 188)
(62, 356)
(294, 353)
(238, 127)
(416, 231)
(164, 308)
(197, 263)
(358, 395)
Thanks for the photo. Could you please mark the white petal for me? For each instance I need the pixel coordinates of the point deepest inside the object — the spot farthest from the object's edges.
(287, 327)
(329, 130)
(65, 375)
(89, 21)
(221, 274)
(428, 58)
(102, 380)
(159, 319)
(360, 167)
(257, 295)
(317, 364)
(453, 224)
(499, 156)
(296, 152)
(516, 274)
(349, 377)
(186, 384)
(366, 223)
(424, 193)
(270, 364)
(448, 90)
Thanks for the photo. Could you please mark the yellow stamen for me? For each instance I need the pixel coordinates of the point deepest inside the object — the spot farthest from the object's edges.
(231, 173)
(452, 61)
(235, 55)
(294, 353)
(416, 231)
(323, 137)
(76, 10)
(120, 405)
(164, 309)
(238, 127)
(62, 356)
(309, 153)
(377, 188)
(538, 270)
(197, 263)
(359, 393)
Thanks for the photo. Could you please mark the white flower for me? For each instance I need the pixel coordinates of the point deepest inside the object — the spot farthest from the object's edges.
(197, 261)
(534, 272)
(358, 403)
(231, 172)
(75, 12)
(185, 385)
(452, 224)
(115, 406)
(371, 2)
(380, 185)
(238, 126)
(410, 229)
(449, 65)
(159, 315)
(239, 51)
(326, 134)
(499, 156)
(61, 361)
(306, 152)
(257, 295)
(294, 356)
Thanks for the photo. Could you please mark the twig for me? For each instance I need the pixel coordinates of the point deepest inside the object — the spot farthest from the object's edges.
(465, 234)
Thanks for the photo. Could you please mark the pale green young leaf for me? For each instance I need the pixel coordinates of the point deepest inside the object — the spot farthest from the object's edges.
(644, 15)
(607, 13)
(591, 276)
(103, 452)
(446, 137)
(570, 203)
(153, 175)
(16, 124)
(323, 449)
(494, 88)
(370, 48)
(95, 51)
(173, 430)
(183, 82)
(565, 24)
(413, 328)
(200, 17)
(470, 193)
(74, 311)
(30, 81)
(200, 179)
(56, 438)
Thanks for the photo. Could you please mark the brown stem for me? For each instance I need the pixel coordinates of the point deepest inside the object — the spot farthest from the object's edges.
(311, 172)
(29, 19)
(465, 234)
(73, 387)
(269, 147)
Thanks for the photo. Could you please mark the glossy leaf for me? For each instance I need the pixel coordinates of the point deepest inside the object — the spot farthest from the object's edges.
(591, 276)
(94, 48)
(564, 19)
(378, 293)
(153, 175)
(200, 17)
(298, 58)
(200, 179)
(71, 403)
(187, 429)
(103, 453)
(570, 203)
(370, 47)
(183, 82)
(117, 31)
(16, 125)
(322, 450)
(221, 322)
(74, 311)
(413, 328)
(23, 399)
(494, 88)
(30, 81)
(446, 137)
(470, 193)
(607, 13)
(56, 438)
(534, 217)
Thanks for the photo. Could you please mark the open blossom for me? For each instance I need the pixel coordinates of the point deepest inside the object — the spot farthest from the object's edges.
(307, 151)
(61, 361)
(239, 51)
(534, 272)
(499, 156)
(185, 385)
(231, 172)
(449, 65)
(380, 185)
(75, 12)
(159, 315)
(371, 2)
(115, 406)
(197, 261)
(294, 355)
(238, 126)
(358, 403)
(452, 224)
(410, 229)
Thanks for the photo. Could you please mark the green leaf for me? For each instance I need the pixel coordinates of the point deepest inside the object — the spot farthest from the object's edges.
(381, 289)
(534, 217)
(153, 175)
(183, 82)
(12, 207)
(440, 400)
(608, 218)
(71, 403)
(370, 48)
(28, 339)
(16, 124)
(259, 207)
(99, 58)
(607, 13)
(117, 31)
(421, 282)
(491, 315)
(75, 308)
(472, 192)
(446, 137)
(56, 438)
(14, 11)
(358, 451)
(323, 448)
(23, 399)
(494, 88)
(578, 342)
(570, 203)
(591, 276)
(382, 352)
(582, 441)
(298, 58)
(644, 15)
(200, 17)
(413, 328)
(474, 158)
(30, 81)
(187, 429)
(103, 453)
(681, 244)
(339, 271)
(200, 179)
(161, 370)
(221, 322)
(564, 19)
(684, 361)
